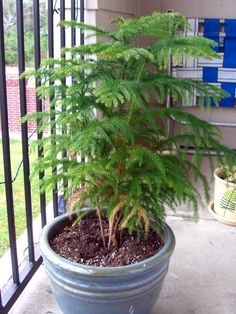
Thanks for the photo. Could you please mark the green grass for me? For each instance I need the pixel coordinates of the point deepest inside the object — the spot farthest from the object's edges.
(18, 195)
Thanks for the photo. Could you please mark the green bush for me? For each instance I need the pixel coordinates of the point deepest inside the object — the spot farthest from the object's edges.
(134, 167)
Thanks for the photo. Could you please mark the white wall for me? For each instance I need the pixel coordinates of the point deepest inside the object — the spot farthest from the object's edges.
(191, 8)
(111, 9)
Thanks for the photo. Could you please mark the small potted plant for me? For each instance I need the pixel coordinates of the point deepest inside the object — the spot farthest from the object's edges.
(223, 208)
(112, 257)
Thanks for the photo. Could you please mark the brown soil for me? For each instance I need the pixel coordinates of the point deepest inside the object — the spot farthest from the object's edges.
(82, 243)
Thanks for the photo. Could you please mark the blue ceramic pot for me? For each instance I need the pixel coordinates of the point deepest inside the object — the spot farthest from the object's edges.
(81, 289)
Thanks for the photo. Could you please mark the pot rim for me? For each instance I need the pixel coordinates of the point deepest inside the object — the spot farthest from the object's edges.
(217, 178)
(50, 255)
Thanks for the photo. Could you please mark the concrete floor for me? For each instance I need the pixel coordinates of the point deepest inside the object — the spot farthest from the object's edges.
(201, 277)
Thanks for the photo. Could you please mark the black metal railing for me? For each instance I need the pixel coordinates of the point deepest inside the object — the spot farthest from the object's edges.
(21, 275)
(39, 107)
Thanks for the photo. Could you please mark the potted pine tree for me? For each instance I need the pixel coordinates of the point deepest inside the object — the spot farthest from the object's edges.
(112, 257)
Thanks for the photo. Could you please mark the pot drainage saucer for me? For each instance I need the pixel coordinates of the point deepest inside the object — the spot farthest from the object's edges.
(221, 219)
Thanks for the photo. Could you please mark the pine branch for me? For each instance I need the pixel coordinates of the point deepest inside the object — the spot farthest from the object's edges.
(134, 167)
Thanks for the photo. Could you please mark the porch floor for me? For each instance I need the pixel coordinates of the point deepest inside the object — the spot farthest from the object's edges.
(201, 277)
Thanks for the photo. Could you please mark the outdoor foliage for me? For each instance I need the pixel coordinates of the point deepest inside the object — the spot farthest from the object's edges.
(134, 168)
(10, 20)
(18, 192)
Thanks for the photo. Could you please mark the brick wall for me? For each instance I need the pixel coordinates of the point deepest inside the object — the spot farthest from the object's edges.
(14, 102)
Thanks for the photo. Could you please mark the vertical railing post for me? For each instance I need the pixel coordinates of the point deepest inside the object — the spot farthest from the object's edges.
(6, 155)
(82, 39)
(63, 82)
(73, 18)
(62, 29)
(37, 60)
(24, 127)
(82, 21)
(51, 55)
(22, 275)
(0, 300)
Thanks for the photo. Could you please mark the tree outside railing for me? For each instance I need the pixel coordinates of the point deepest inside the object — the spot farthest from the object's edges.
(11, 33)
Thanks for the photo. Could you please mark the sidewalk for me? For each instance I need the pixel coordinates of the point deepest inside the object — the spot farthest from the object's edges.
(201, 277)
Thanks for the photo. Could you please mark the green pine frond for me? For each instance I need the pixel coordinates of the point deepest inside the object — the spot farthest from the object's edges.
(107, 104)
(179, 47)
(87, 27)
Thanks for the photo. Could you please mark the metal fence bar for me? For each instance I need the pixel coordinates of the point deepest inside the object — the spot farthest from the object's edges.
(20, 279)
(82, 21)
(14, 291)
(6, 155)
(39, 108)
(24, 128)
(63, 44)
(50, 29)
(1, 300)
(82, 39)
(62, 29)
(51, 55)
(73, 18)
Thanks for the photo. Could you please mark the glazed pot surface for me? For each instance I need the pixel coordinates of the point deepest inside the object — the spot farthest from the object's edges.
(82, 289)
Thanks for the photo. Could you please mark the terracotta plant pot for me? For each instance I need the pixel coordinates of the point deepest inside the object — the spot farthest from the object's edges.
(81, 289)
(221, 186)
